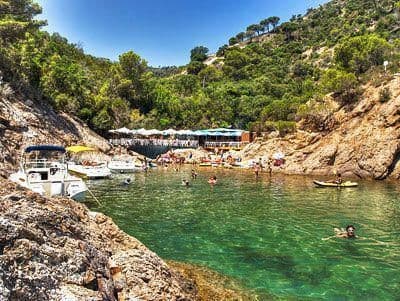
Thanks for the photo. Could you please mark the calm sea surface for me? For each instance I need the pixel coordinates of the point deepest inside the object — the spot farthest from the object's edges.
(266, 233)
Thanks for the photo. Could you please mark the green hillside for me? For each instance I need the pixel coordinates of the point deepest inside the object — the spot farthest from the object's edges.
(271, 76)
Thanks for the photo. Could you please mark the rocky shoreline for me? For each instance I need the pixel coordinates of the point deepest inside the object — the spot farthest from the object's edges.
(56, 249)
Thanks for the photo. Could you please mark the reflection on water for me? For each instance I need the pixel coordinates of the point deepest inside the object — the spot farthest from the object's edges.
(266, 233)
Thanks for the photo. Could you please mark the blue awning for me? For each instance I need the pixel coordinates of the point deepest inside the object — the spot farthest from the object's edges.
(52, 148)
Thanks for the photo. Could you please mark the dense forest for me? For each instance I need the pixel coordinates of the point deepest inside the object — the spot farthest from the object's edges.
(268, 77)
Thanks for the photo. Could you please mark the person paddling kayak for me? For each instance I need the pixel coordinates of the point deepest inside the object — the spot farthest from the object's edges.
(338, 179)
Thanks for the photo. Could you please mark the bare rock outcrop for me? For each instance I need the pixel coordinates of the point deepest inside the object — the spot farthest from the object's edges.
(56, 249)
(365, 144)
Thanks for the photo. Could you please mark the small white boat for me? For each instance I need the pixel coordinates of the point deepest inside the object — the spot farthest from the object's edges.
(86, 169)
(121, 166)
(89, 171)
(48, 177)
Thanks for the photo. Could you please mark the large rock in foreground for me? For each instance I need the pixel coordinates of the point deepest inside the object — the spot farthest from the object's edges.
(56, 249)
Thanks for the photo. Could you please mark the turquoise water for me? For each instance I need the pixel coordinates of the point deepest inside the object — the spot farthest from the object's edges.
(267, 233)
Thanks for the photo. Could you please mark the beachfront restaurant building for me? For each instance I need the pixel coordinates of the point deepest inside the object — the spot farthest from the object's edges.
(157, 142)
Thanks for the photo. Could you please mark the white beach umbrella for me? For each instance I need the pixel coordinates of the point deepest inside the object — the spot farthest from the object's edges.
(185, 132)
(123, 130)
(169, 132)
(153, 132)
(278, 156)
(141, 132)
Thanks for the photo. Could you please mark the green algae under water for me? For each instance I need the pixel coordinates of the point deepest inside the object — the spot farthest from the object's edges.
(266, 233)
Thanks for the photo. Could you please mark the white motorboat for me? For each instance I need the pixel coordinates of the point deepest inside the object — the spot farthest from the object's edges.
(87, 168)
(48, 177)
(90, 171)
(123, 166)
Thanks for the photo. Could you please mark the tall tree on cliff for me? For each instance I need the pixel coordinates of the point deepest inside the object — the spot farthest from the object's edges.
(16, 18)
(274, 21)
(198, 54)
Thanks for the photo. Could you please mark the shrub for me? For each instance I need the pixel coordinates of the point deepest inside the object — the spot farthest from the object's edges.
(338, 82)
(385, 95)
(282, 126)
(358, 54)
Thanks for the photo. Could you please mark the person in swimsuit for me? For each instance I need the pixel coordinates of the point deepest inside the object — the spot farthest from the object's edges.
(349, 232)
(212, 181)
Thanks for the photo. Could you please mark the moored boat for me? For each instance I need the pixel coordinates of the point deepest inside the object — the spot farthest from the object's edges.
(48, 177)
(85, 168)
(328, 184)
(122, 166)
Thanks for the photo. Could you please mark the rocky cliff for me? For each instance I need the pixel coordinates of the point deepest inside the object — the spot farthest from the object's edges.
(56, 249)
(24, 122)
(364, 141)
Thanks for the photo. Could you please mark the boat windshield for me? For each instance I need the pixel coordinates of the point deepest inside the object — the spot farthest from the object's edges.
(43, 159)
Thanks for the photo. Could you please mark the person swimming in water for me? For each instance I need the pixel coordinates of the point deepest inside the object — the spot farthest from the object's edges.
(349, 232)
(212, 181)
(185, 183)
(127, 181)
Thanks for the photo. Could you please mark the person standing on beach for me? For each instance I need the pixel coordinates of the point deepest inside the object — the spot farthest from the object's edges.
(256, 169)
(269, 166)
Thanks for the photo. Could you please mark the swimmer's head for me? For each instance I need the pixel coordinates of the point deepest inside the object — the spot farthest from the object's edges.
(350, 229)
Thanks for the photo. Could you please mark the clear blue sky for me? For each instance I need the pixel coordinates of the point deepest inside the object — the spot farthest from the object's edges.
(161, 31)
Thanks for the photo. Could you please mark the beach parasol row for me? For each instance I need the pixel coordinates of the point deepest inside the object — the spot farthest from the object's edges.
(171, 132)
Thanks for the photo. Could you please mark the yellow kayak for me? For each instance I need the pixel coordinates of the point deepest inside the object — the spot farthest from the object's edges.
(327, 184)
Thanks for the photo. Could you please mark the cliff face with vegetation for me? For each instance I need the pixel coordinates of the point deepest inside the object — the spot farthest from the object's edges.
(262, 81)
(365, 141)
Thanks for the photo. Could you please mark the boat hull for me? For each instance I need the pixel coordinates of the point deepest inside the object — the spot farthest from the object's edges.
(343, 185)
(90, 173)
(79, 196)
(71, 187)
(124, 170)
